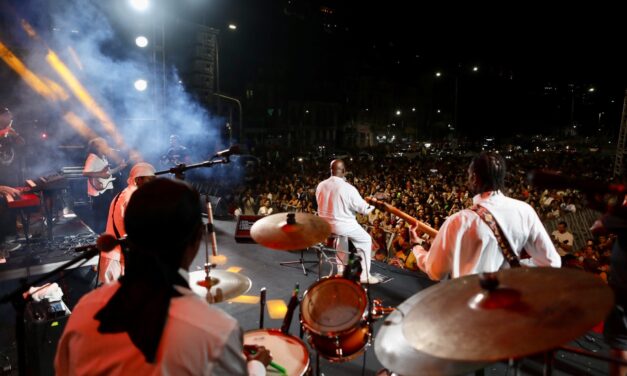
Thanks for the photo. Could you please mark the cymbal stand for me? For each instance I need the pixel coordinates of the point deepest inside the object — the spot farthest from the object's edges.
(291, 220)
(322, 257)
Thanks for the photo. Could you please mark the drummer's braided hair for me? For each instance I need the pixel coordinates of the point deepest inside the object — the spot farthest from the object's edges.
(490, 170)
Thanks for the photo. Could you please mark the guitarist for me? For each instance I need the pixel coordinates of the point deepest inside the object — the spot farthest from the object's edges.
(99, 181)
(467, 244)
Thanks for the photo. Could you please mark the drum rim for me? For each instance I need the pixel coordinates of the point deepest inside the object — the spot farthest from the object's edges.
(278, 333)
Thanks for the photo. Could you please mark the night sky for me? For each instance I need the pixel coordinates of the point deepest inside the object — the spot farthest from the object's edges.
(532, 58)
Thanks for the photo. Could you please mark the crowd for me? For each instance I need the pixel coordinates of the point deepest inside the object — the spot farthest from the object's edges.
(429, 188)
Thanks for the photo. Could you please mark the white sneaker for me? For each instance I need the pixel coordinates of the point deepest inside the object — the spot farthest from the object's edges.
(372, 280)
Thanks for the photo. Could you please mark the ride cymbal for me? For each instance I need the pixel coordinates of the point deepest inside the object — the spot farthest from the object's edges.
(290, 231)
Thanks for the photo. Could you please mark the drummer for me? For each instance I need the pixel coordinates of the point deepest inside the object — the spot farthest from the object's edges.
(466, 244)
(149, 321)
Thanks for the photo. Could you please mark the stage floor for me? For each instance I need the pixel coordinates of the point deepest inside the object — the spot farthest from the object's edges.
(261, 265)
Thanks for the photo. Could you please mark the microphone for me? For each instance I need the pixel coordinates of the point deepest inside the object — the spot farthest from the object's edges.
(553, 180)
(234, 149)
(104, 243)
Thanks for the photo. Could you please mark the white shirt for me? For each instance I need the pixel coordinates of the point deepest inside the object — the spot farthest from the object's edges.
(466, 245)
(198, 339)
(338, 202)
(95, 164)
(561, 237)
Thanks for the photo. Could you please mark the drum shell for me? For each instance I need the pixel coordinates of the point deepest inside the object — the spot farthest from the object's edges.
(334, 315)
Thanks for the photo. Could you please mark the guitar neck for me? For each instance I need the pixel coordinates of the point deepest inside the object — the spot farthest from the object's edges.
(401, 214)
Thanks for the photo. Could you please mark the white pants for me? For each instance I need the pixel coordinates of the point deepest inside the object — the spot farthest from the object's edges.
(361, 240)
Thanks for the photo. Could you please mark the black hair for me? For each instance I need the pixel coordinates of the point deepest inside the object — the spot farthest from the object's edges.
(490, 171)
(162, 218)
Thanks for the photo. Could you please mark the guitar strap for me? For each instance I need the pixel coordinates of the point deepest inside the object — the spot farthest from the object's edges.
(115, 228)
(504, 245)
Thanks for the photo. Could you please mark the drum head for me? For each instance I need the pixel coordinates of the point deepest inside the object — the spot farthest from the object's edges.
(333, 305)
(287, 351)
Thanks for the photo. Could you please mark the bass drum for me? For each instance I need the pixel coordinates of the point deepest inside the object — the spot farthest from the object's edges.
(333, 312)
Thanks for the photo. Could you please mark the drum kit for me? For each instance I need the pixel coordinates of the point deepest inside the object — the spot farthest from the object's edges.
(454, 327)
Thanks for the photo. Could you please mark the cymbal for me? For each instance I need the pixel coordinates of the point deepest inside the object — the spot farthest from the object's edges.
(225, 285)
(530, 310)
(290, 231)
(396, 354)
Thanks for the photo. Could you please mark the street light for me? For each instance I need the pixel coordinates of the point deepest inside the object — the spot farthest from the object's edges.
(140, 5)
(438, 74)
(141, 41)
(398, 112)
(241, 113)
(232, 26)
(475, 68)
(591, 90)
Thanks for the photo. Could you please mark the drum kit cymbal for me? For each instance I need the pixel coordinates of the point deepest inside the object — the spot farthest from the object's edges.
(453, 327)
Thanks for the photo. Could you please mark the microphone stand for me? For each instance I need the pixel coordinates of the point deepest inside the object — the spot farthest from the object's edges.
(19, 297)
(179, 170)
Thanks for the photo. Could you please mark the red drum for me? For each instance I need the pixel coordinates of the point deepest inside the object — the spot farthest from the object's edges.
(334, 312)
(287, 351)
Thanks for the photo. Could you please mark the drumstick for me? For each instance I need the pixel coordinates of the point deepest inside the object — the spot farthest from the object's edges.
(252, 350)
(401, 214)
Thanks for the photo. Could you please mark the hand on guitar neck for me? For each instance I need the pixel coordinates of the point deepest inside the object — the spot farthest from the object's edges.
(102, 180)
(379, 204)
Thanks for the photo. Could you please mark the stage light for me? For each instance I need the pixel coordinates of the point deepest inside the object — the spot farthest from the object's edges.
(140, 5)
(141, 41)
(276, 309)
(141, 85)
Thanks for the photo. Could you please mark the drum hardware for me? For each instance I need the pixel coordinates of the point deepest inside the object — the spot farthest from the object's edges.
(262, 306)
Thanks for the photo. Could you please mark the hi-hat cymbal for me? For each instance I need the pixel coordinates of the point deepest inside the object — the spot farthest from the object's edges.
(225, 285)
(532, 310)
(290, 231)
(396, 354)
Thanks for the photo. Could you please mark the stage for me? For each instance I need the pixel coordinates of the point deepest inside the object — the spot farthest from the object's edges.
(261, 265)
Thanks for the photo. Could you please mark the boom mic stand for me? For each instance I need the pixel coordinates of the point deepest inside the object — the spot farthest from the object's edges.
(179, 170)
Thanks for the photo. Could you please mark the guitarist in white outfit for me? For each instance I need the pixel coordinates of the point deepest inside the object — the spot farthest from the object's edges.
(99, 181)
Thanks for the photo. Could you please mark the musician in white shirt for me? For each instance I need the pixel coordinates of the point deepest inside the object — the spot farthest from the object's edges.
(465, 244)
(338, 202)
(99, 181)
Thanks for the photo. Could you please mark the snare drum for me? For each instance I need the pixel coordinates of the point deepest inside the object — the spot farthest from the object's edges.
(333, 312)
(287, 351)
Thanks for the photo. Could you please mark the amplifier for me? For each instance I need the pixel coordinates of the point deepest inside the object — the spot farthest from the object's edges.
(242, 230)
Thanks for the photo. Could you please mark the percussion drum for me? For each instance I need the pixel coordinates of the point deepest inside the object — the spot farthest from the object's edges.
(287, 351)
(334, 315)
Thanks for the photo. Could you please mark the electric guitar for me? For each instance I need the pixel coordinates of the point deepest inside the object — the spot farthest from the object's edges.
(102, 184)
